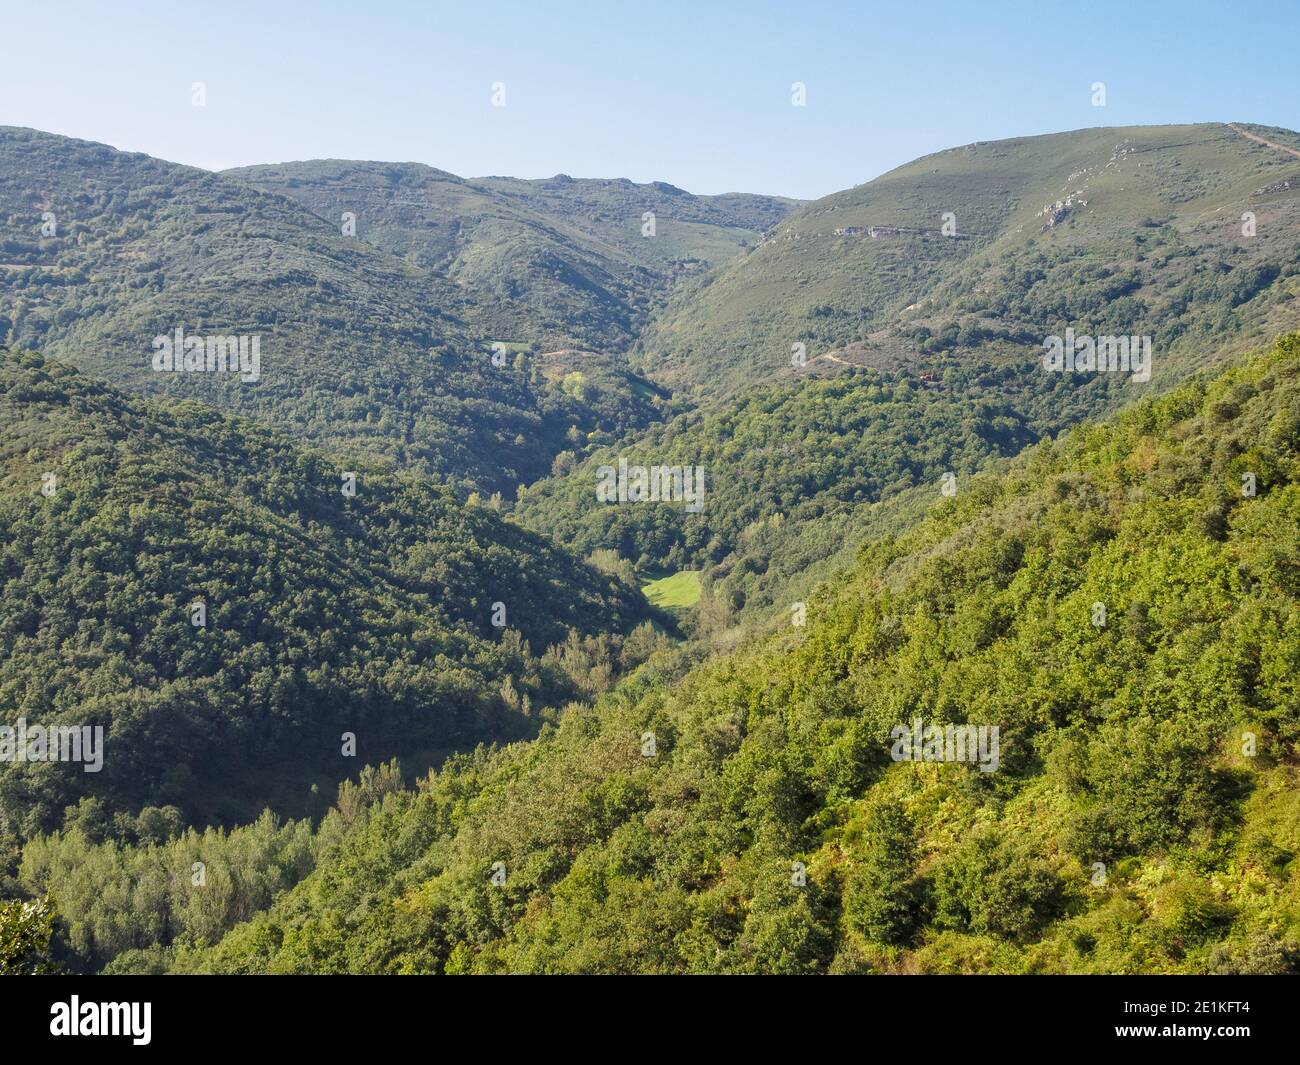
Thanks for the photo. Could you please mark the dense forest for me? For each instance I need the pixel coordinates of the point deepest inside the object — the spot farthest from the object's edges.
(794, 473)
(392, 611)
(744, 814)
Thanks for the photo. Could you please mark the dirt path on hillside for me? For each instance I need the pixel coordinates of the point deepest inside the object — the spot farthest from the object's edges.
(1260, 140)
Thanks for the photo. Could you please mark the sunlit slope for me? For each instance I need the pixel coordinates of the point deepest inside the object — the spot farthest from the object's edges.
(1138, 814)
(1118, 230)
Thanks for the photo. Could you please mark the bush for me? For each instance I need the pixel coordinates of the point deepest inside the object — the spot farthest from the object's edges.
(990, 888)
(1151, 784)
(880, 898)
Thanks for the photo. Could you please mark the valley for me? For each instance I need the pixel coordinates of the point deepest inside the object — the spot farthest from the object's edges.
(498, 575)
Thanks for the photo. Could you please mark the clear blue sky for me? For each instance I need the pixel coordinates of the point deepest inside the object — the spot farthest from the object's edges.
(696, 94)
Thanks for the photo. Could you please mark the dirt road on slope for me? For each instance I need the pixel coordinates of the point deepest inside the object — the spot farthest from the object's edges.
(1260, 140)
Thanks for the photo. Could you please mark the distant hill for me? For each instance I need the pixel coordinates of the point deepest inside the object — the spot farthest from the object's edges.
(560, 261)
(1132, 230)
(382, 343)
(361, 351)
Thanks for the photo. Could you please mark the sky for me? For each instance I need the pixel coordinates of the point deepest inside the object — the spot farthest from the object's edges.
(696, 94)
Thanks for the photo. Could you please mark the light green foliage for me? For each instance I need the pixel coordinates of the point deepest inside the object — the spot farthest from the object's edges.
(26, 929)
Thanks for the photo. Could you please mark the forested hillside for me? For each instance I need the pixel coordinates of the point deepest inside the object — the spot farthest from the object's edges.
(336, 598)
(381, 340)
(563, 262)
(379, 693)
(987, 249)
(361, 351)
(1121, 604)
(794, 472)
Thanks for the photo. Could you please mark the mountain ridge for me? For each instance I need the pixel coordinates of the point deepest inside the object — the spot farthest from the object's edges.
(360, 352)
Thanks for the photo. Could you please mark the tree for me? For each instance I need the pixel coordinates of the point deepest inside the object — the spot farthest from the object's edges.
(880, 898)
(26, 929)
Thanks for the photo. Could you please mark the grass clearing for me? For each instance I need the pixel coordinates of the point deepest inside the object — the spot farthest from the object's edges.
(676, 591)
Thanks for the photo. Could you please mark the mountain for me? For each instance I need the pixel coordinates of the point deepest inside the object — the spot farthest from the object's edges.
(987, 249)
(379, 543)
(360, 351)
(430, 336)
(1123, 605)
(562, 262)
(336, 597)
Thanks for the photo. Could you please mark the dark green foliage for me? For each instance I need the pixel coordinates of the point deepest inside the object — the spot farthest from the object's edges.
(881, 898)
(1149, 783)
(325, 614)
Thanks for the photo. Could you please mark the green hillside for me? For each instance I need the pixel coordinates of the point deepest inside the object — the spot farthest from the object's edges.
(370, 613)
(1131, 230)
(746, 815)
(793, 473)
(361, 351)
(575, 736)
(561, 262)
